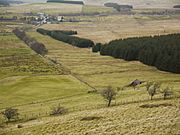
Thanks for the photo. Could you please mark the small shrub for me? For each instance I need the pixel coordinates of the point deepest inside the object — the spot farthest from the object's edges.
(10, 113)
(19, 126)
(167, 92)
(58, 110)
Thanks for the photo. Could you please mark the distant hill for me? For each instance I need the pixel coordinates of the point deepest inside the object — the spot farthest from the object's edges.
(4, 3)
(34, 1)
(67, 1)
(136, 3)
(8, 2)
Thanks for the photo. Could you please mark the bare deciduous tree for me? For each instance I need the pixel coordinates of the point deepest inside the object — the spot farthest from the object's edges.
(109, 94)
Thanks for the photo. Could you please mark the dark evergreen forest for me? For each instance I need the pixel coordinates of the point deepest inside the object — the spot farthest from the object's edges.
(66, 36)
(162, 51)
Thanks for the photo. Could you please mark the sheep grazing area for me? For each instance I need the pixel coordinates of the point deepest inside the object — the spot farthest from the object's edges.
(60, 93)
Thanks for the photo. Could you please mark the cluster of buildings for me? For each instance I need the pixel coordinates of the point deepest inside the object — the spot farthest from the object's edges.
(42, 18)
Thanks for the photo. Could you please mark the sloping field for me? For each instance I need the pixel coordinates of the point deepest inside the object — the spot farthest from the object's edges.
(98, 71)
(49, 8)
(138, 3)
(17, 59)
(27, 80)
(125, 119)
(107, 28)
(101, 71)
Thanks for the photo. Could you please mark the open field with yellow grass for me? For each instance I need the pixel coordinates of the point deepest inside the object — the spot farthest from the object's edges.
(55, 8)
(139, 3)
(106, 28)
(124, 119)
(43, 7)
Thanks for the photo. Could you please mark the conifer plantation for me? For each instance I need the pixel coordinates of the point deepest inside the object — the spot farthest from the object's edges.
(162, 51)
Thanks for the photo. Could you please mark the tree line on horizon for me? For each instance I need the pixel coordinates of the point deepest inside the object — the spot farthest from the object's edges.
(67, 1)
(161, 51)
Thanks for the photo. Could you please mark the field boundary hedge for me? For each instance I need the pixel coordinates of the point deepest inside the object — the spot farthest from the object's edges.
(32, 43)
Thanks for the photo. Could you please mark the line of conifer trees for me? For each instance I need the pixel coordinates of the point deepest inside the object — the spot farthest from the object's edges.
(32, 43)
(66, 36)
(67, 1)
(161, 51)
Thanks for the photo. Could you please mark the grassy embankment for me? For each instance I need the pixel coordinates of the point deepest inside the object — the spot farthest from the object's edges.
(28, 81)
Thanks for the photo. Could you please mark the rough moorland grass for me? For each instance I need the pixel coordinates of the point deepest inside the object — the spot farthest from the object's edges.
(17, 59)
(49, 8)
(101, 71)
(140, 3)
(96, 9)
(32, 84)
(106, 28)
(124, 119)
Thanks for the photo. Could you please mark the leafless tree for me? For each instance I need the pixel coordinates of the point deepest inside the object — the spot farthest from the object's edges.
(109, 94)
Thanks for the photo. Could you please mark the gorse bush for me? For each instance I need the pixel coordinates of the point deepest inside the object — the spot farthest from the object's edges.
(10, 113)
(162, 51)
(66, 36)
(58, 110)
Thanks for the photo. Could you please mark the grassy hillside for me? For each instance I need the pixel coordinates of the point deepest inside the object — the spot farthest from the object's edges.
(49, 8)
(68, 75)
(106, 28)
(139, 3)
(98, 71)
(34, 84)
(17, 59)
(124, 119)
